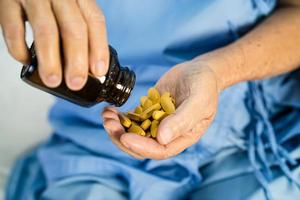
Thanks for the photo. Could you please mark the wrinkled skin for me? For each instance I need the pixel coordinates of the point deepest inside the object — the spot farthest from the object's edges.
(193, 85)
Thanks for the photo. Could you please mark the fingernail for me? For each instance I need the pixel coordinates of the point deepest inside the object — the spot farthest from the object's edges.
(52, 80)
(99, 68)
(126, 144)
(77, 81)
(166, 136)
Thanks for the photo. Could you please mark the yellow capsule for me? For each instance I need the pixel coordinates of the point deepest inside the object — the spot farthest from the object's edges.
(138, 110)
(158, 115)
(148, 134)
(146, 124)
(134, 123)
(173, 100)
(148, 112)
(166, 94)
(143, 99)
(125, 121)
(133, 116)
(147, 104)
(167, 104)
(136, 129)
(154, 95)
(145, 115)
(153, 128)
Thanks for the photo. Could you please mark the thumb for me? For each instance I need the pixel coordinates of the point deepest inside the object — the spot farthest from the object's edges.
(181, 122)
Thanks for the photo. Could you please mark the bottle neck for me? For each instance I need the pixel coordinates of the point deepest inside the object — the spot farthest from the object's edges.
(122, 88)
(118, 83)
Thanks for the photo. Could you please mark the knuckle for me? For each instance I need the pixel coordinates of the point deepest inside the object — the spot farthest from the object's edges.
(96, 19)
(165, 154)
(46, 69)
(92, 11)
(197, 131)
(74, 30)
(48, 66)
(27, 3)
(18, 54)
(77, 65)
(23, 2)
(13, 32)
(44, 29)
(99, 50)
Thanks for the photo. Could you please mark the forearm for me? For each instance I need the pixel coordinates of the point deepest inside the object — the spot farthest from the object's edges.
(272, 48)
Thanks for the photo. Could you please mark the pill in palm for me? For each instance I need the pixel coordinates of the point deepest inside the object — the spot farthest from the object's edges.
(146, 124)
(147, 104)
(154, 95)
(145, 118)
(125, 121)
(133, 116)
(158, 114)
(167, 104)
(143, 99)
(138, 110)
(148, 112)
(136, 129)
(153, 128)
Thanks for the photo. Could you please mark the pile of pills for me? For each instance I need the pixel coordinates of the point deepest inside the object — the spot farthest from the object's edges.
(145, 119)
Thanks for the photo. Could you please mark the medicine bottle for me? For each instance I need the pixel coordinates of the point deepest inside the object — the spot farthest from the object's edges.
(115, 87)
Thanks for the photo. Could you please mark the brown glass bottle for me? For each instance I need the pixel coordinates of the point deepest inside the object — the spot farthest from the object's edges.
(115, 87)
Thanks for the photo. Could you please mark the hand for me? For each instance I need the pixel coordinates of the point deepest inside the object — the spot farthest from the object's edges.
(194, 86)
(79, 24)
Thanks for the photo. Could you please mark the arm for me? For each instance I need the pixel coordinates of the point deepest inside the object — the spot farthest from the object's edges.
(270, 49)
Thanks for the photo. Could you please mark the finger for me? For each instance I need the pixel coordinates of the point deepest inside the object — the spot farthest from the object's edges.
(13, 28)
(115, 130)
(108, 124)
(111, 108)
(46, 38)
(182, 121)
(98, 46)
(109, 115)
(73, 30)
(114, 127)
(137, 144)
(155, 150)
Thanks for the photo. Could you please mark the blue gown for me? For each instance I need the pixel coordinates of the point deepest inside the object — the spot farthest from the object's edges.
(251, 150)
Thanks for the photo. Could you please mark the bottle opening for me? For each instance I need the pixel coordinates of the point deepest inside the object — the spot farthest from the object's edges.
(124, 85)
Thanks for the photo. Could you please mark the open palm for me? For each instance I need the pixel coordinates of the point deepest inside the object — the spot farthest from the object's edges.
(194, 87)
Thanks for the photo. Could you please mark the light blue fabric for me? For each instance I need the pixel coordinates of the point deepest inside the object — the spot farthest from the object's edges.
(257, 119)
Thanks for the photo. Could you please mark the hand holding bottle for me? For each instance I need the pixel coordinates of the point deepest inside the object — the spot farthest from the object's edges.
(79, 25)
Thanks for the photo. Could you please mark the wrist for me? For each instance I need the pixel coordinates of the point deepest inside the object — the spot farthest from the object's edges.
(227, 64)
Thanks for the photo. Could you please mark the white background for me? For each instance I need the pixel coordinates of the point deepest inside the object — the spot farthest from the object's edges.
(23, 113)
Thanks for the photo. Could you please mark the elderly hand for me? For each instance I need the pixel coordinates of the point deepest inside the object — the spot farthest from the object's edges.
(80, 26)
(194, 86)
